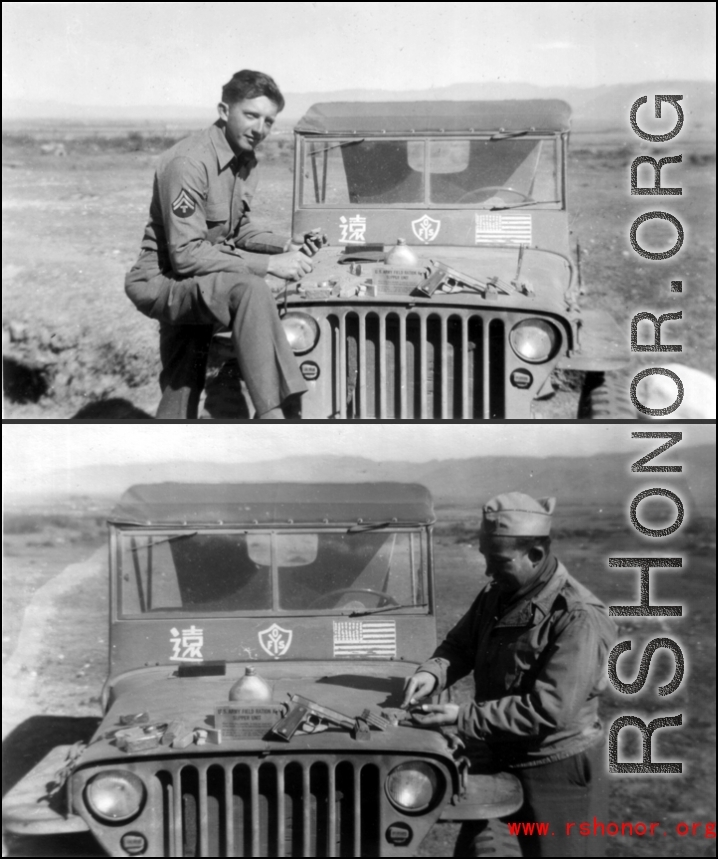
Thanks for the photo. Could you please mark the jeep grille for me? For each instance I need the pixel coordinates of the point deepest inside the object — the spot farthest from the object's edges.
(425, 363)
(326, 807)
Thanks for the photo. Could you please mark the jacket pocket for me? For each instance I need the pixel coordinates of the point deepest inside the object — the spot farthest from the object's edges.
(579, 770)
(515, 658)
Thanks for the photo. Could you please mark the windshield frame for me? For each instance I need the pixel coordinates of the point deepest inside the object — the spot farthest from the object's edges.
(303, 184)
(421, 584)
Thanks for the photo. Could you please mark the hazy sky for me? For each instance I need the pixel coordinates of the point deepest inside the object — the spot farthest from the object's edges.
(179, 53)
(31, 451)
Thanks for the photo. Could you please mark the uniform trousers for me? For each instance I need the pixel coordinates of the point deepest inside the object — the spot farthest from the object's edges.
(190, 310)
(572, 790)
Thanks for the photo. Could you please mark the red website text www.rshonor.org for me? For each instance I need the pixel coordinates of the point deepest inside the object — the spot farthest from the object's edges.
(698, 830)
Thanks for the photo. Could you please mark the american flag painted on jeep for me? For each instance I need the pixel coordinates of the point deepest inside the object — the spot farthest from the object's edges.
(503, 229)
(365, 638)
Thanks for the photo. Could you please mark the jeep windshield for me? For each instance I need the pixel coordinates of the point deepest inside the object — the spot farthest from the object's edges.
(481, 173)
(213, 572)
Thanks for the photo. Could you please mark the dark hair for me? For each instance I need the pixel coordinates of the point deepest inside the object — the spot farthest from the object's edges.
(112, 409)
(249, 84)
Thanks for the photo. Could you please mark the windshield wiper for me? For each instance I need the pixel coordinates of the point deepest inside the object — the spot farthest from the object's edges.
(387, 608)
(369, 526)
(336, 146)
(519, 205)
(166, 540)
(507, 135)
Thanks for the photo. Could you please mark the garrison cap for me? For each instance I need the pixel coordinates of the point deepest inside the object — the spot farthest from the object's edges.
(514, 514)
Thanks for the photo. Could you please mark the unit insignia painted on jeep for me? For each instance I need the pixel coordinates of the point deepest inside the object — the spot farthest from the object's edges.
(426, 229)
(274, 640)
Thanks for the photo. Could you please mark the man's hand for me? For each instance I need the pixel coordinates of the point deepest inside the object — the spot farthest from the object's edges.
(436, 714)
(419, 685)
(310, 242)
(289, 266)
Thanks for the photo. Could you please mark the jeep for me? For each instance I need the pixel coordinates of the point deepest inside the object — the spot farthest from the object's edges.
(229, 602)
(478, 306)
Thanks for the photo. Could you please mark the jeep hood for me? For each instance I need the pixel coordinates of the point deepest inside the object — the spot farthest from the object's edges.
(349, 687)
(548, 274)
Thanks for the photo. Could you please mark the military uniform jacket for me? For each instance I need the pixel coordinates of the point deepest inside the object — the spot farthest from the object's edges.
(538, 670)
(199, 216)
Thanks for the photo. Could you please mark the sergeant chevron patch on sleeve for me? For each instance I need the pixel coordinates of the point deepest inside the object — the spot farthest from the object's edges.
(183, 205)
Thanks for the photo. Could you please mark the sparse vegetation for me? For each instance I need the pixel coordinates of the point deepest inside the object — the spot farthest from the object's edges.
(88, 525)
(701, 159)
(275, 148)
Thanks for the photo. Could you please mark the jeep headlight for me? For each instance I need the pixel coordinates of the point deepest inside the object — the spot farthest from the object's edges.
(115, 796)
(534, 340)
(302, 331)
(412, 786)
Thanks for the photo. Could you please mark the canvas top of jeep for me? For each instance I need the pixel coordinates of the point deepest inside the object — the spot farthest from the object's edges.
(324, 591)
(469, 318)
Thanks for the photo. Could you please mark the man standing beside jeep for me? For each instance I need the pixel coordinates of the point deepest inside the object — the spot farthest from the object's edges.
(537, 642)
(202, 262)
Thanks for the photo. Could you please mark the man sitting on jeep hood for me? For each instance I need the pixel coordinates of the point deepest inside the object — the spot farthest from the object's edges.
(202, 262)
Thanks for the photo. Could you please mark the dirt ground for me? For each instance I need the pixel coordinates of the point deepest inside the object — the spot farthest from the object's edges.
(55, 658)
(72, 227)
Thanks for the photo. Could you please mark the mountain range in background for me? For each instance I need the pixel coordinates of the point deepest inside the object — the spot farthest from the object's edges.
(604, 480)
(594, 108)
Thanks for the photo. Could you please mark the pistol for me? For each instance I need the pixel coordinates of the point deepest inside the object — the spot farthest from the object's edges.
(302, 711)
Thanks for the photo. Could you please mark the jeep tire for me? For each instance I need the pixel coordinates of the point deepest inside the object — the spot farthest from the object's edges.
(605, 396)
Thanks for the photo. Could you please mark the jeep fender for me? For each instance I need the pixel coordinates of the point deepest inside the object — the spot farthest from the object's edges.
(486, 796)
(37, 804)
(600, 343)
